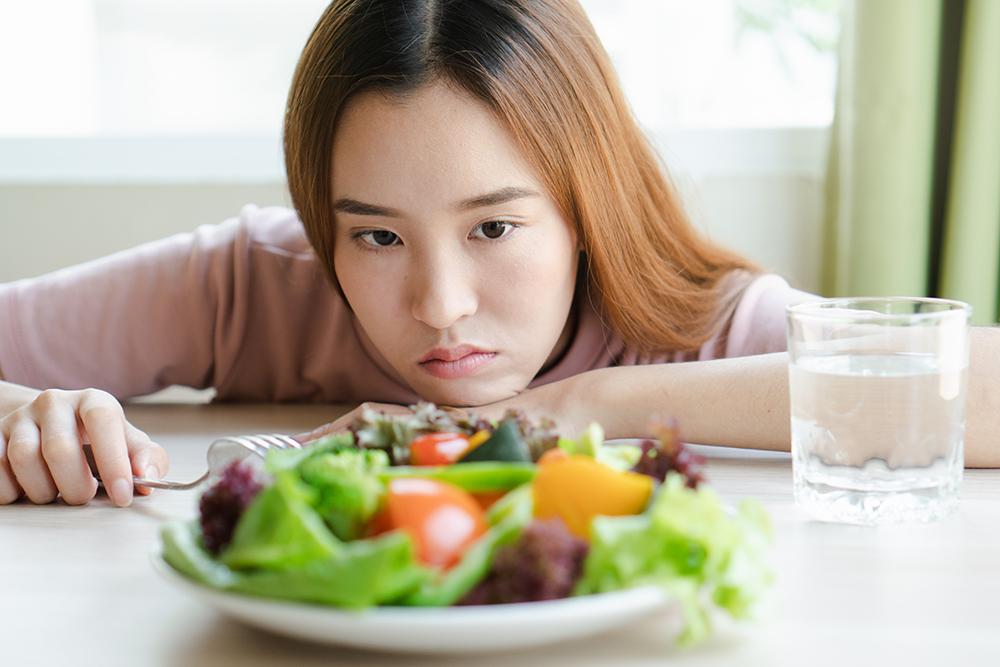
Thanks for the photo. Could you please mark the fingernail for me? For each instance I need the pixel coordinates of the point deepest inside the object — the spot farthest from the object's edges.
(121, 492)
(151, 473)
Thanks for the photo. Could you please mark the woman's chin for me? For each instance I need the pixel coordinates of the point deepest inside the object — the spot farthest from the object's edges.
(465, 394)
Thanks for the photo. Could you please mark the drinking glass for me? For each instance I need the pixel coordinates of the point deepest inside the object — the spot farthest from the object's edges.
(877, 395)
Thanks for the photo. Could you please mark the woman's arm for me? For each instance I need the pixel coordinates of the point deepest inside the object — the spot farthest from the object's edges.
(73, 341)
(982, 421)
(738, 402)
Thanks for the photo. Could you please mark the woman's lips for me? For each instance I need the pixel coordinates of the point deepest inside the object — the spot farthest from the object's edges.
(450, 370)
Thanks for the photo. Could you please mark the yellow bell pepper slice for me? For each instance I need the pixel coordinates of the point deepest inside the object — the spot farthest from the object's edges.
(477, 439)
(578, 488)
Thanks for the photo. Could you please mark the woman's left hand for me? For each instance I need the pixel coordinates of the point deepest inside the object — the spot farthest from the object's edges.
(344, 421)
(560, 401)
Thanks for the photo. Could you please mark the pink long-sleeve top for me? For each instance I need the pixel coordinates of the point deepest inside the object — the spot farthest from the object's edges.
(244, 307)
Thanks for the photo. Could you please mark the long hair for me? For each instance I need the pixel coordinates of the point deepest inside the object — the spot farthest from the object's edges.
(539, 65)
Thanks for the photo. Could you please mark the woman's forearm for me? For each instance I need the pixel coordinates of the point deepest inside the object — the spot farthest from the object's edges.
(740, 402)
(743, 402)
(982, 407)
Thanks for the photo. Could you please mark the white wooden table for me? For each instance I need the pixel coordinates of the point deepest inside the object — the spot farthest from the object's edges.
(77, 587)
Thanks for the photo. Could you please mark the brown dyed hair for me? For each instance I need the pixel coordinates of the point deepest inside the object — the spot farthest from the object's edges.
(538, 64)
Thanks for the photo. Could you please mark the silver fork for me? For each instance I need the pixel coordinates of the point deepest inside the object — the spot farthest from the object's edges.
(220, 454)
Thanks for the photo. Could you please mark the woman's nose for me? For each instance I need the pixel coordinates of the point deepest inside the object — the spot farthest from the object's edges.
(442, 294)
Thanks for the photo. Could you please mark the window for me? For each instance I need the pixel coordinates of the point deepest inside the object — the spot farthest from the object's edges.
(189, 77)
(723, 63)
(149, 67)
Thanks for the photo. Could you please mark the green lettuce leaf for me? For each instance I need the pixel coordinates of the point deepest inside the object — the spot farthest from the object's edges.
(362, 574)
(287, 459)
(588, 444)
(591, 443)
(280, 529)
(346, 490)
(348, 493)
(184, 551)
(689, 545)
(620, 457)
(288, 542)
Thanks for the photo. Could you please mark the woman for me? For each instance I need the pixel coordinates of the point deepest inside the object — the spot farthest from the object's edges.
(479, 222)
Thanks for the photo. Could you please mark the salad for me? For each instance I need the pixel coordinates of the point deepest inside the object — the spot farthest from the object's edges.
(433, 510)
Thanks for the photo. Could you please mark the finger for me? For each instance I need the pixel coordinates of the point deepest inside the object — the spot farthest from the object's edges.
(63, 453)
(10, 490)
(344, 422)
(340, 424)
(149, 460)
(104, 422)
(25, 457)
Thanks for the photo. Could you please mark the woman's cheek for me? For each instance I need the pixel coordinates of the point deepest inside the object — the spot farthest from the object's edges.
(370, 286)
(546, 269)
(531, 297)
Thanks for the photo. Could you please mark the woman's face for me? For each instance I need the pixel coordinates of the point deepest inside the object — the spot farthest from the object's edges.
(456, 262)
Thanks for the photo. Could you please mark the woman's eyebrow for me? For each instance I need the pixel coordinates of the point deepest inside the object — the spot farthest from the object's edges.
(501, 196)
(346, 205)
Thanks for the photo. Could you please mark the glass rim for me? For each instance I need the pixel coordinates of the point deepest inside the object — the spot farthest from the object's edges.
(817, 309)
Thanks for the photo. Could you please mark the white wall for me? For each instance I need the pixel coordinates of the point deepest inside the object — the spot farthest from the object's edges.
(48, 226)
(775, 220)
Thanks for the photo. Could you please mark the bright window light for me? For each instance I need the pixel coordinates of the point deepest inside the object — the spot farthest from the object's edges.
(96, 68)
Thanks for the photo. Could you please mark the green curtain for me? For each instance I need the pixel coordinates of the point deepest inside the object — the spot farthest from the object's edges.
(913, 187)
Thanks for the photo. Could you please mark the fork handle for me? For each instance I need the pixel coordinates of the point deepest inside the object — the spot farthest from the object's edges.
(164, 484)
(161, 483)
(141, 481)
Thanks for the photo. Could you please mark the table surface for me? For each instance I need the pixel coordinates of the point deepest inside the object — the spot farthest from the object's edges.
(77, 586)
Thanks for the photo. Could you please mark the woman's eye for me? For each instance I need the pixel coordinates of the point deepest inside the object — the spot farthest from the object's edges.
(494, 229)
(380, 238)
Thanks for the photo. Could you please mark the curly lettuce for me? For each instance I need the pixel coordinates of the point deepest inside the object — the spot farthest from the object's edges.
(689, 545)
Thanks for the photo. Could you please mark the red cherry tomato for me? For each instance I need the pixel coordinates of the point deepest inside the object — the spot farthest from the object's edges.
(441, 519)
(486, 499)
(438, 449)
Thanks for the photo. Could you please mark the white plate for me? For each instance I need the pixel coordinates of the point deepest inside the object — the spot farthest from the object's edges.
(435, 630)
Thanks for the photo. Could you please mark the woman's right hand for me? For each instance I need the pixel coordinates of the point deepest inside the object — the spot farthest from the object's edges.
(42, 455)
